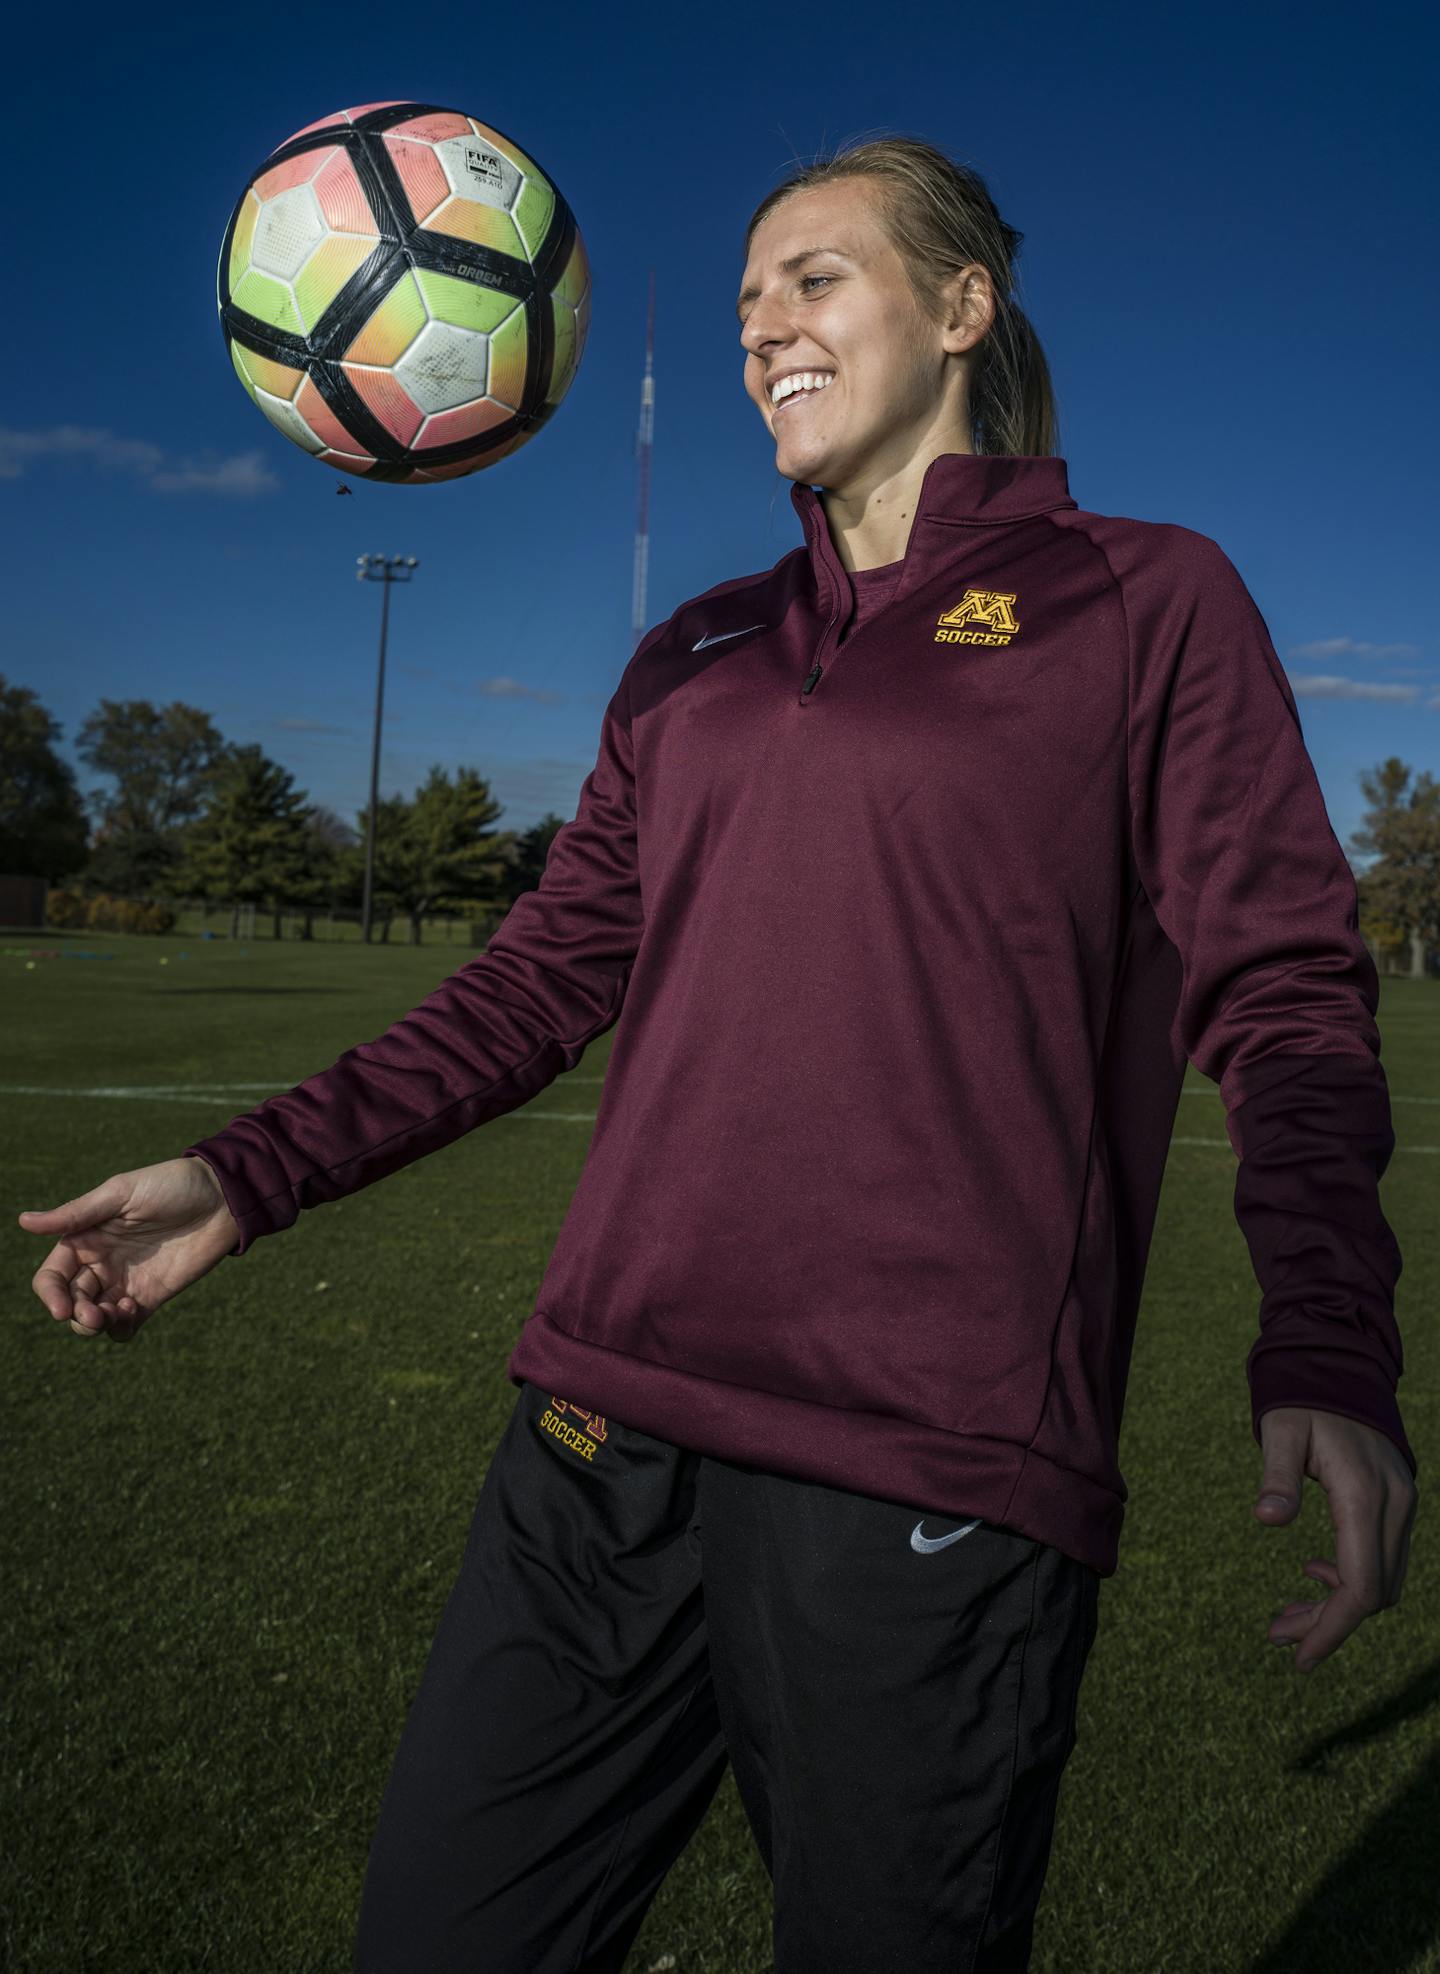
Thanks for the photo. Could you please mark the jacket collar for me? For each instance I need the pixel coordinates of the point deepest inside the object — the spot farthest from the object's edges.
(965, 488)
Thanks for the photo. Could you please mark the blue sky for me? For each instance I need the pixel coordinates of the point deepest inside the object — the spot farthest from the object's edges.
(1228, 220)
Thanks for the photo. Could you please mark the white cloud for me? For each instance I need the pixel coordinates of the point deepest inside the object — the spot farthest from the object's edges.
(513, 689)
(1321, 686)
(243, 474)
(497, 688)
(1352, 647)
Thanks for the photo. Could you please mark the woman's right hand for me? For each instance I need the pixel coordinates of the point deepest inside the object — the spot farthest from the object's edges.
(130, 1244)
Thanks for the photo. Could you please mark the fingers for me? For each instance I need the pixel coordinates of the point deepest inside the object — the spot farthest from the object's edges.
(117, 1329)
(90, 1303)
(51, 1283)
(1373, 1500)
(1374, 1533)
(82, 1301)
(118, 1319)
(61, 1282)
(1295, 1621)
(72, 1292)
(1357, 1583)
(87, 1319)
(84, 1211)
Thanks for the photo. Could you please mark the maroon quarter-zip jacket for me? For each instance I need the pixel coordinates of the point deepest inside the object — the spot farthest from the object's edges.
(907, 937)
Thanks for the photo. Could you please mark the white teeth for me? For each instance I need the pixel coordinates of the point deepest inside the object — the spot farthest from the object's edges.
(800, 380)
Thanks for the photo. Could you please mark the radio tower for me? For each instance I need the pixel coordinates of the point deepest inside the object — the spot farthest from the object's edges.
(642, 452)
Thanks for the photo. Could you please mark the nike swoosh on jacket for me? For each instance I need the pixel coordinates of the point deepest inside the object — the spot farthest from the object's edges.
(906, 939)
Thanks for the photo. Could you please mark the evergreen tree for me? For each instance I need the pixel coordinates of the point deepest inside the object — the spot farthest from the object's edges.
(251, 845)
(1399, 896)
(439, 851)
(42, 818)
(533, 848)
(388, 873)
(329, 846)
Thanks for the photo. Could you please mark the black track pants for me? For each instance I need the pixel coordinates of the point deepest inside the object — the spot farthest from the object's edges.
(898, 1717)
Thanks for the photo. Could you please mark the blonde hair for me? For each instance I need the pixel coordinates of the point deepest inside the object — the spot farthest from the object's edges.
(939, 217)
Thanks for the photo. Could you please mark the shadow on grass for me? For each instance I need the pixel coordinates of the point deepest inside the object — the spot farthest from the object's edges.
(1378, 1905)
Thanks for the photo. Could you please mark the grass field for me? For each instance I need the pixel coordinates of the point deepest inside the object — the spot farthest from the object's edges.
(228, 1545)
(191, 924)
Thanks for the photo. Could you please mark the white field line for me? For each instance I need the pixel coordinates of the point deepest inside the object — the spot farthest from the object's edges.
(1400, 1144)
(211, 1093)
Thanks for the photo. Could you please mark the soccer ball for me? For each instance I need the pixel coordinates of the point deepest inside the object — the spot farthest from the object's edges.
(403, 292)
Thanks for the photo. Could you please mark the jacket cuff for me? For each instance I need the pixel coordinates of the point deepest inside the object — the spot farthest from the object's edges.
(252, 1182)
(1340, 1381)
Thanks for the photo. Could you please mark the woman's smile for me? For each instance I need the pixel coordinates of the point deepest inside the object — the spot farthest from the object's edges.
(798, 397)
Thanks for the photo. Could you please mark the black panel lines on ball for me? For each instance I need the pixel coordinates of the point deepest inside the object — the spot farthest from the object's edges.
(438, 253)
(280, 345)
(557, 246)
(384, 193)
(467, 260)
(355, 415)
(495, 437)
(385, 469)
(313, 140)
(223, 282)
(346, 134)
(446, 455)
(390, 114)
(347, 313)
(539, 341)
(335, 386)
(550, 264)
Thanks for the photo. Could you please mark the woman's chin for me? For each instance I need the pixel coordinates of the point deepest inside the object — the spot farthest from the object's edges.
(798, 445)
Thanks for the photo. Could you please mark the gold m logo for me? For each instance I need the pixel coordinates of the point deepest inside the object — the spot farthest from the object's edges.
(982, 616)
(595, 1421)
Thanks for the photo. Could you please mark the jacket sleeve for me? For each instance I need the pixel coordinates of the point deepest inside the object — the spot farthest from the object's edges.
(1279, 993)
(491, 1036)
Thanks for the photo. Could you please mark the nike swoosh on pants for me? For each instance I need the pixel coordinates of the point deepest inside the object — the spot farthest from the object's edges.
(927, 1542)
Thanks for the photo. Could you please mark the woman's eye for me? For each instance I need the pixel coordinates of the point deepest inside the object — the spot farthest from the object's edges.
(813, 277)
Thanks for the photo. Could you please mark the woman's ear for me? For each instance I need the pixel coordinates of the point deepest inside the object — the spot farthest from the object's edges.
(970, 296)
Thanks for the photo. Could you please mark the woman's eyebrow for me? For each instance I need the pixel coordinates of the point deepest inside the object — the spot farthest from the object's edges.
(789, 267)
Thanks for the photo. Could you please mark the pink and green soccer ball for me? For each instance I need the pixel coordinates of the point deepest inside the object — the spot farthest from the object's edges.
(403, 292)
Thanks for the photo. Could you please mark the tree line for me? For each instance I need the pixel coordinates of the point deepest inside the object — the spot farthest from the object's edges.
(183, 813)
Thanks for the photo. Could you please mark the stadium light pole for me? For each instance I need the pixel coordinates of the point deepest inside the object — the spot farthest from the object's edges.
(379, 569)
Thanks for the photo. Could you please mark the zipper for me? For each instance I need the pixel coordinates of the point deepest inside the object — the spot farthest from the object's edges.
(817, 669)
(839, 582)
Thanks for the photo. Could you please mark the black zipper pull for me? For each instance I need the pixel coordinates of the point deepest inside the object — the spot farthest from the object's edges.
(811, 682)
